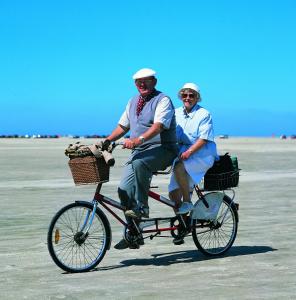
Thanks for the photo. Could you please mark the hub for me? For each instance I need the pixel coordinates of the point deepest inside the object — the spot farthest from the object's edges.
(80, 237)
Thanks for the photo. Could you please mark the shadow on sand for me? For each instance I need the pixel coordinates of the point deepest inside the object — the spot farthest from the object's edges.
(169, 258)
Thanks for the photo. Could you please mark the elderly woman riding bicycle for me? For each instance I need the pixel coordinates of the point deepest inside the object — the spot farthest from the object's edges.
(197, 149)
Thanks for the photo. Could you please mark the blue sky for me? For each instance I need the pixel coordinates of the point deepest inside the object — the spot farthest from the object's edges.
(66, 66)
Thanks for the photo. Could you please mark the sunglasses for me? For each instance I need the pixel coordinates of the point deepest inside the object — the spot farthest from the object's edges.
(143, 81)
(185, 95)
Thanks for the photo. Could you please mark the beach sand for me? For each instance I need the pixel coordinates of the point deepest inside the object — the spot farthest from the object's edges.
(35, 182)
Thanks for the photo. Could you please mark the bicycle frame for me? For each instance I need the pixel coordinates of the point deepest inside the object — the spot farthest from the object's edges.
(107, 203)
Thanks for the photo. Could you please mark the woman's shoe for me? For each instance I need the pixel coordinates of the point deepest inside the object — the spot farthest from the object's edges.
(185, 208)
(178, 240)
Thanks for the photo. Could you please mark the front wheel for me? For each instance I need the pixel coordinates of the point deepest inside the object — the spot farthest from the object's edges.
(71, 248)
(217, 236)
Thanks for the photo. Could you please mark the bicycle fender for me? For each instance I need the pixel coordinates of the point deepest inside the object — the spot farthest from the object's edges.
(233, 204)
(200, 211)
(102, 214)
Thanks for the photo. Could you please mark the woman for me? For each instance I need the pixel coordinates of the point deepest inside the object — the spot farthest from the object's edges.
(197, 149)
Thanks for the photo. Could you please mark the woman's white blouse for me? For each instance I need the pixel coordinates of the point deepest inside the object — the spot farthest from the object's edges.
(192, 126)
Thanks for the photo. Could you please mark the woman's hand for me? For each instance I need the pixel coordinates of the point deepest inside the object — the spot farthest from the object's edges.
(186, 154)
(194, 148)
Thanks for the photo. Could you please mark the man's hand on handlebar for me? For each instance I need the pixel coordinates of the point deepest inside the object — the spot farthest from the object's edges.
(105, 145)
(131, 143)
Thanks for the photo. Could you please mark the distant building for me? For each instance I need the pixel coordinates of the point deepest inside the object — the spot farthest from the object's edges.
(223, 136)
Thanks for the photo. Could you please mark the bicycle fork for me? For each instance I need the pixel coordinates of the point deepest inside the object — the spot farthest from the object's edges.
(83, 232)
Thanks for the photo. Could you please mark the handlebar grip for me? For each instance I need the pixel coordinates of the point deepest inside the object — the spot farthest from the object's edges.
(110, 161)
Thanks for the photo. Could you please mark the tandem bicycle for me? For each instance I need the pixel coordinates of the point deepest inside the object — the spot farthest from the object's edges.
(79, 234)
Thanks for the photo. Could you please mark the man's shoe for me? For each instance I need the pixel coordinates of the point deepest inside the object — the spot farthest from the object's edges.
(185, 208)
(132, 214)
(123, 244)
(137, 214)
(137, 243)
(140, 240)
(134, 246)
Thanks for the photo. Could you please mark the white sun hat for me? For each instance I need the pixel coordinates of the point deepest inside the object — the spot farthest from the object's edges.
(144, 73)
(191, 86)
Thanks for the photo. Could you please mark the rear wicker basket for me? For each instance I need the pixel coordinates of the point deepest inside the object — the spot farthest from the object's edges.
(89, 170)
(221, 181)
(224, 174)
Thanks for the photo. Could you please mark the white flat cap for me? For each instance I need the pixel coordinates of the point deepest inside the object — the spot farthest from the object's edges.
(144, 73)
(191, 86)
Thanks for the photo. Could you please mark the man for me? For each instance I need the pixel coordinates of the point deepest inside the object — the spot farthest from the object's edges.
(150, 118)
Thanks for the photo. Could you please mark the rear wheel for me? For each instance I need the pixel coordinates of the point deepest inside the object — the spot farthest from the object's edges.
(72, 249)
(216, 237)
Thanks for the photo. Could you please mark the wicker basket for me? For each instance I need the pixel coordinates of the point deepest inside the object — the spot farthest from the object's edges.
(221, 181)
(89, 170)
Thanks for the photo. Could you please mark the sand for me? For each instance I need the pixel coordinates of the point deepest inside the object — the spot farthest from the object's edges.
(35, 182)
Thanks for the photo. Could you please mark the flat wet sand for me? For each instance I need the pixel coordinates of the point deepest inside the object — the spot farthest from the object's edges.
(35, 182)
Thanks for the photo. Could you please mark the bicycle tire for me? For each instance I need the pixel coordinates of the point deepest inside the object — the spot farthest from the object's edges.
(217, 238)
(64, 246)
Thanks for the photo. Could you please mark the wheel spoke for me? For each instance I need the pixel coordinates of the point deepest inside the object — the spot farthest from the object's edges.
(70, 251)
(221, 233)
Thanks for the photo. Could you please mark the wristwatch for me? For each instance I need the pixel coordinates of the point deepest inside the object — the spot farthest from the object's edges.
(142, 139)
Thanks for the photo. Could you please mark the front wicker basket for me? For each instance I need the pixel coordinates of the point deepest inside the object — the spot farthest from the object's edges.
(89, 170)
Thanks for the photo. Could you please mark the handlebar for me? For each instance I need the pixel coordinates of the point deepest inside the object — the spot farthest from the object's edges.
(110, 161)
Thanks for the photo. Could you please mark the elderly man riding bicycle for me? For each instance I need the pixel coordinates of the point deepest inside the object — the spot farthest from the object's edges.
(150, 118)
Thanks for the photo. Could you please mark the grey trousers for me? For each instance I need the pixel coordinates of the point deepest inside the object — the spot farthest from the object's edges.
(137, 174)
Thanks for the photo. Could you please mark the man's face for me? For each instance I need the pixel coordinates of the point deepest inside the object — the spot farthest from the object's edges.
(145, 85)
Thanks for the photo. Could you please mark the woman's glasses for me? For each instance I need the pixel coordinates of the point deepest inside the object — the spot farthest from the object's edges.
(185, 95)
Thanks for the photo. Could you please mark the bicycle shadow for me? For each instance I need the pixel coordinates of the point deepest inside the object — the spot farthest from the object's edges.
(186, 256)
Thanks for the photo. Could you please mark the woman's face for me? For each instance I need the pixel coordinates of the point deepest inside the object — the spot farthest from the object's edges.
(189, 99)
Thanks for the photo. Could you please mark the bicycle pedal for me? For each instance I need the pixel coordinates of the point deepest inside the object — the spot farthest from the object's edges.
(178, 241)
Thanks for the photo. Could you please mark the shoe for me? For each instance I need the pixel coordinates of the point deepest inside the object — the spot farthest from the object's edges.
(178, 241)
(140, 240)
(124, 244)
(137, 214)
(185, 208)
